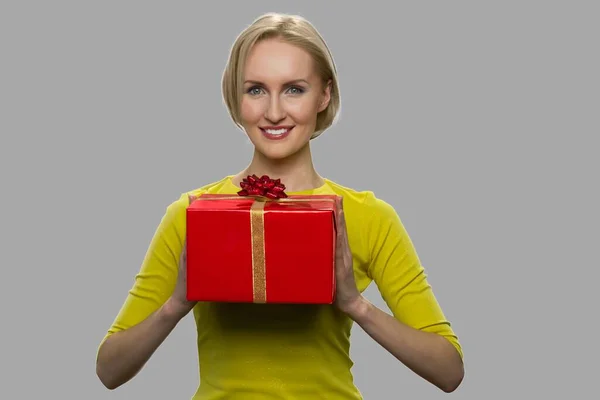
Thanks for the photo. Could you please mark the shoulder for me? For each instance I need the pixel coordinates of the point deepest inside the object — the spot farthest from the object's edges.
(211, 188)
(374, 223)
(178, 206)
(364, 203)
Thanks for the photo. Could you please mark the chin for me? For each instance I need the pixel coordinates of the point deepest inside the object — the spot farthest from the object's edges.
(276, 154)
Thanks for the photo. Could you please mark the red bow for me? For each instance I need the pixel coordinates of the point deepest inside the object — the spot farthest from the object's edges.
(263, 186)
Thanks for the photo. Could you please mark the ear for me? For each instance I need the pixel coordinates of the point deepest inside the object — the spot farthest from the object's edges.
(326, 98)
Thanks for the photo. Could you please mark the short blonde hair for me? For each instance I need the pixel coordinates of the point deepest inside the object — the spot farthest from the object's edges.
(297, 31)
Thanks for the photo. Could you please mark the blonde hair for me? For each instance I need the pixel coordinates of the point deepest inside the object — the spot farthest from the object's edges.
(294, 30)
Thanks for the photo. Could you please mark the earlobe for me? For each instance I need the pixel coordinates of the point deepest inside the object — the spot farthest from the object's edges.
(323, 105)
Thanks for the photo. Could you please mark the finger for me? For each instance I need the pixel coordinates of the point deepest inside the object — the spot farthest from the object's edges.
(339, 238)
(341, 222)
(342, 219)
(343, 228)
(183, 255)
(338, 202)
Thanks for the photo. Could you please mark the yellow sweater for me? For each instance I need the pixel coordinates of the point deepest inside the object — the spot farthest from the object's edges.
(273, 351)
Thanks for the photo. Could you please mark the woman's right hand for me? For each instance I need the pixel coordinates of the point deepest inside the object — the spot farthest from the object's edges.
(178, 303)
(181, 305)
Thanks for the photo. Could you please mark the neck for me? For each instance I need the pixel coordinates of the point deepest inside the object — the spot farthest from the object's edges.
(297, 172)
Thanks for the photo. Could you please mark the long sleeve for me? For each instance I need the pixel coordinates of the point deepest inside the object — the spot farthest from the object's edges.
(401, 279)
(156, 279)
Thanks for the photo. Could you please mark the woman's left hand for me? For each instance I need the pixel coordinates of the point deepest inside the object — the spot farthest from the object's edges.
(346, 294)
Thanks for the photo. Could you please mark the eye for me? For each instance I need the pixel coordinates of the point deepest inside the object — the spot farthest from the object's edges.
(295, 90)
(254, 91)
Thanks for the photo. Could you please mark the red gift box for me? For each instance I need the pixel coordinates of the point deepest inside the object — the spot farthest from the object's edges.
(261, 250)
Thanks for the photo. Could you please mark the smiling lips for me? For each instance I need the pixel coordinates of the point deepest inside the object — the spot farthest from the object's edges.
(276, 132)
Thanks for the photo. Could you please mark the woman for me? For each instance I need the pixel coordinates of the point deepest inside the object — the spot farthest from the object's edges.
(280, 87)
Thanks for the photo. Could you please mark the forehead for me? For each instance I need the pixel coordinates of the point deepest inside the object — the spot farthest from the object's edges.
(274, 60)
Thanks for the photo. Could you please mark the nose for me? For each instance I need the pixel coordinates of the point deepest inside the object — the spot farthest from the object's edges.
(275, 111)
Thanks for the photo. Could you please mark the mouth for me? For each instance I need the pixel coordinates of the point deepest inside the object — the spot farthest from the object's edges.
(276, 132)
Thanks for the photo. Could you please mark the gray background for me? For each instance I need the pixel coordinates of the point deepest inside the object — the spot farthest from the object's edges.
(478, 121)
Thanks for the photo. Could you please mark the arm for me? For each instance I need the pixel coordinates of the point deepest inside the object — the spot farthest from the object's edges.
(151, 310)
(427, 354)
(418, 333)
(123, 354)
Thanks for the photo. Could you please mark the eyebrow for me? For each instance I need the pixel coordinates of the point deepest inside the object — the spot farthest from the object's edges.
(285, 84)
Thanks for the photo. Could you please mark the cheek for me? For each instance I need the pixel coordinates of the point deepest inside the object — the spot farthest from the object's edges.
(252, 111)
(303, 111)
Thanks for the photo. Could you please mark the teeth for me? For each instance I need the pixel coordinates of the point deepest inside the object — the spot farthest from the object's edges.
(276, 131)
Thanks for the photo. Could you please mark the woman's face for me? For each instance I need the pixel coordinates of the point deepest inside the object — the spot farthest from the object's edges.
(282, 95)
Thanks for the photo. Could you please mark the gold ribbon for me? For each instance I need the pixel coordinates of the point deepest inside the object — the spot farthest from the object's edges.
(259, 275)
(257, 235)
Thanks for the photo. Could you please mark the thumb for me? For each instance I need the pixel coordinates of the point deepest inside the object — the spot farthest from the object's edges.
(183, 256)
(191, 199)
